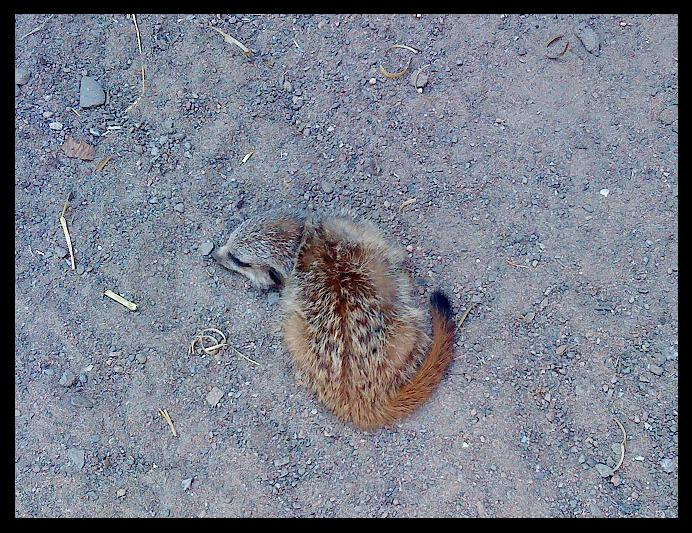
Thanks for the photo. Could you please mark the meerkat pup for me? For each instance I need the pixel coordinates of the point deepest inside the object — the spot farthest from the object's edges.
(349, 319)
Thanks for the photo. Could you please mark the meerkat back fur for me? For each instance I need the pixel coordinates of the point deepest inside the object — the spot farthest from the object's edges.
(349, 319)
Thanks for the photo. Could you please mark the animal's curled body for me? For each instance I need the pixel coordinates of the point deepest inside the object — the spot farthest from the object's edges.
(350, 323)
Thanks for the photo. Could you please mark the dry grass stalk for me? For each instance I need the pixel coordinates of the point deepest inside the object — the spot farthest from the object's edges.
(622, 445)
(164, 414)
(141, 55)
(131, 306)
(65, 231)
(38, 28)
(231, 40)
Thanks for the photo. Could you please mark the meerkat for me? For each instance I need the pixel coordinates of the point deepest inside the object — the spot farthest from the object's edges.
(355, 334)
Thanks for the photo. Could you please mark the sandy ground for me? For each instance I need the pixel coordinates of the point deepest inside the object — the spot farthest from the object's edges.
(545, 178)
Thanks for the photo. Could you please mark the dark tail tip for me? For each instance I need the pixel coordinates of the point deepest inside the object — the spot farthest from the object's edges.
(440, 303)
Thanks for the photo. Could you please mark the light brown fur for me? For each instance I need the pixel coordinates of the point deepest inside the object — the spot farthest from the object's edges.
(350, 323)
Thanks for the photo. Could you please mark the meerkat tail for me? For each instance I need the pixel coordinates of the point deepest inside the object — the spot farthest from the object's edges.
(419, 389)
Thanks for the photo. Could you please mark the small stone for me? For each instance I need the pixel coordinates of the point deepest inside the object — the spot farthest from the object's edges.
(81, 401)
(179, 207)
(141, 358)
(67, 379)
(604, 192)
(327, 187)
(668, 116)
(80, 269)
(288, 87)
(91, 93)
(206, 247)
(667, 465)
(529, 316)
(616, 480)
(589, 38)
(419, 79)
(186, 483)
(17, 412)
(372, 81)
(654, 369)
(55, 126)
(60, 253)
(16, 90)
(214, 396)
(121, 493)
(76, 457)
(604, 470)
(21, 76)
(281, 462)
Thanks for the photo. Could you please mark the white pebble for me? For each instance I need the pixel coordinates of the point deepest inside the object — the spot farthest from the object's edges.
(604, 192)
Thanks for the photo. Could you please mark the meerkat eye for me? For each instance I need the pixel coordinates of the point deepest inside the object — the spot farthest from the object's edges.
(275, 276)
(238, 261)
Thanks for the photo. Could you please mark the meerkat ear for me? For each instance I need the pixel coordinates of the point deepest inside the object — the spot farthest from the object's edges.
(275, 276)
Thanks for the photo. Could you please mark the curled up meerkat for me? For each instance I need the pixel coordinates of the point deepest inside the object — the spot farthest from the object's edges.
(349, 319)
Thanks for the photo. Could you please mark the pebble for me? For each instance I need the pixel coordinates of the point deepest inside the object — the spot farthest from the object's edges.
(67, 379)
(281, 462)
(206, 247)
(372, 81)
(55, 126)
(214, 396)
(21, 76)
(419, 79)
(186, 483)
(604, 192)
(327, 187)
(179, 207)
(141, 358)
(76, 457)
(604, 470)
(61, 253)
(616, 480)
(667, 465)
(667, 116)
(80, 270)
(17, 412)
(654, 369)
(91, 93)
(16, 90)
(81, 401)
(589, 38)
(121, 493)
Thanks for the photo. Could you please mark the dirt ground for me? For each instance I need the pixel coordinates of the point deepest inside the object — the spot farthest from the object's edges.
(545, 179)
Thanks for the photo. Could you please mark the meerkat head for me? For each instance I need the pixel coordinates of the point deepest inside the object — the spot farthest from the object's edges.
(263, 248)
